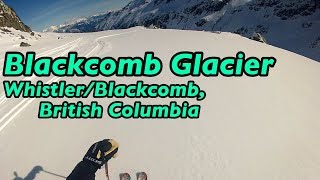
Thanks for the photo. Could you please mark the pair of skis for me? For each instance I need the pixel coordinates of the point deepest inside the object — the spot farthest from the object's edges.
(140, 176)
(126, 176)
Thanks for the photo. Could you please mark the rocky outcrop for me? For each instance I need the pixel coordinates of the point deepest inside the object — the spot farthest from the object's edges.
(24, 44)
(9, 18)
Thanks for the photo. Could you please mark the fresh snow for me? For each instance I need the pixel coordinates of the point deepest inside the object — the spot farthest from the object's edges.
(250, 128)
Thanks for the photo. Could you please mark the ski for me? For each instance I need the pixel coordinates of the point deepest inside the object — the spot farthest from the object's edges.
(142, 176)
(125, 176)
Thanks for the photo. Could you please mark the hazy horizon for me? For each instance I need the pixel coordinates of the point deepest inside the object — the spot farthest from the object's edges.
(41, 14)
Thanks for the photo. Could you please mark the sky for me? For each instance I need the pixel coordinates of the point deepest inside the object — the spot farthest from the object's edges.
(40, 14)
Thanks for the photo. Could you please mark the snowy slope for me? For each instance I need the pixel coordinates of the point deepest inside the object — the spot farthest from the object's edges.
(290, 24)
(250, 128)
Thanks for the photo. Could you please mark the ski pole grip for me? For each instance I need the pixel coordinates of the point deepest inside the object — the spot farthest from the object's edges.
(115, 145)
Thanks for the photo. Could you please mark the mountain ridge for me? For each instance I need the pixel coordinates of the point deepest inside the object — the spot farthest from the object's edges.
(292, 25)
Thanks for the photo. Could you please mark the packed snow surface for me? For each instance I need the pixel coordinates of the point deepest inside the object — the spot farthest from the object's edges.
(250, 128)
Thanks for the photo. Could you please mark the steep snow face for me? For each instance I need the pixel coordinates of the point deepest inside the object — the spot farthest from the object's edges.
(250, 128)
(292, 25)
(9, 18)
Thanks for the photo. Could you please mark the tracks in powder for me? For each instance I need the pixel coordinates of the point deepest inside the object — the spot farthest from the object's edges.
(9, 116)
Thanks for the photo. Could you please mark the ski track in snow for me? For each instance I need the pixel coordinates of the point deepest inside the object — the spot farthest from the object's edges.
(15, 111)
(71, 45)
(3, 99)
(99, 42)
(54, 50)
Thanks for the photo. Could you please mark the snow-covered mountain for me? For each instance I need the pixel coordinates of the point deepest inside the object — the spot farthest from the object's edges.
(290, 24)
(9, 18)
(66, 24)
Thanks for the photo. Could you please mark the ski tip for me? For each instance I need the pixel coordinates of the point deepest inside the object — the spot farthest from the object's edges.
(125, 176)
(142, 176)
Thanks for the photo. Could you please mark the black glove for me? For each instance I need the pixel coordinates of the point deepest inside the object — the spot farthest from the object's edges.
(101, 152)
(98, 154)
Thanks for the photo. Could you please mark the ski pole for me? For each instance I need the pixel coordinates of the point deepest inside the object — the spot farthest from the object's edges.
(57, 175)
(107, 170)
